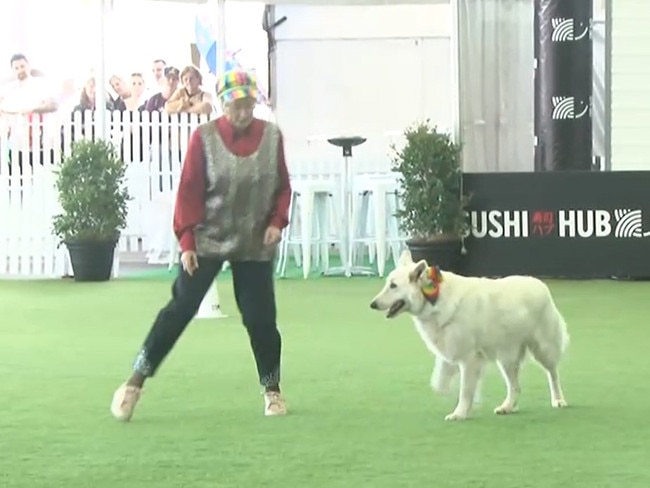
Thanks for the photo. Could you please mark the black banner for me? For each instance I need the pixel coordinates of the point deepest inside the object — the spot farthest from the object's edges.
(571, 224)
(563, 85)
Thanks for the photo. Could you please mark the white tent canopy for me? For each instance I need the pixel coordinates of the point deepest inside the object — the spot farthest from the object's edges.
(104, 8)
(323, 2)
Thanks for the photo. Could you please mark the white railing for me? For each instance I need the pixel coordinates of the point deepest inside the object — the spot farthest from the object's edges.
(153, 145)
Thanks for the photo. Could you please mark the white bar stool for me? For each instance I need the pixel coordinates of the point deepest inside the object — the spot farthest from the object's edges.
(377, 226)
(314, 208)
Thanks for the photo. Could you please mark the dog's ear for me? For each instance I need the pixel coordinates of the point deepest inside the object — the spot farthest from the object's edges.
(416, 272)
(405, 258)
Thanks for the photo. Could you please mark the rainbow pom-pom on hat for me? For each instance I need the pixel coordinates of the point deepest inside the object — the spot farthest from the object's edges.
(237, 84)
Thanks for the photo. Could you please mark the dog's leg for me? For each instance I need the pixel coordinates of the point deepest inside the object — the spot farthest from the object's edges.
(509, 365)
(477, 393)
(557, 396)
(510, 373)
(443, 373)
(470, 373)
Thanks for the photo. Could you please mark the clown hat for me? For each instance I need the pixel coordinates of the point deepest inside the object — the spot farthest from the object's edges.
(236, 84)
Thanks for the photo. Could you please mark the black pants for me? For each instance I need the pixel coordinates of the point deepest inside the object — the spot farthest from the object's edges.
(255, 296)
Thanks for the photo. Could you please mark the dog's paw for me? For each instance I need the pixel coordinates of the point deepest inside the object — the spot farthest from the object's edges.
(456, 416)
(505, 409)
(559, 403)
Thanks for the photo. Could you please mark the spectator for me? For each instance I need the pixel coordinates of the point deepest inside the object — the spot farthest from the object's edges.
(137, 100)
(168, 86)
(190, 98)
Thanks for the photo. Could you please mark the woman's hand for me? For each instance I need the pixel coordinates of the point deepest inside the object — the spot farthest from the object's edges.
(190, 262)
(272, 235)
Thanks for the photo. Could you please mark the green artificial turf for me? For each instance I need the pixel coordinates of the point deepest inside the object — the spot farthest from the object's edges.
(362, 414)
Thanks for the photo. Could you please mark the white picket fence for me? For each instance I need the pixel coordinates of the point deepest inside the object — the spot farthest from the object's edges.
(153, 145)
(27, 245)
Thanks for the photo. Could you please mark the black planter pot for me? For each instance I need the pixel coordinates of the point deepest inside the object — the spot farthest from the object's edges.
(92, 260)
(445, 253)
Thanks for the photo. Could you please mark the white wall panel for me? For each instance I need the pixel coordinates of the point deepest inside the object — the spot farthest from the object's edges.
(354, 21)
(630, 123)
(358, 87)
(330, 83)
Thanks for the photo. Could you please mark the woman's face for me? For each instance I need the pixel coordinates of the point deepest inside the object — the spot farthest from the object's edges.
(191, 82)
(137, 85)
(240, 112)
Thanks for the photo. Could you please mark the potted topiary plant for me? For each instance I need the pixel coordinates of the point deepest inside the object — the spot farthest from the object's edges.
(432, 204)
(93, 199)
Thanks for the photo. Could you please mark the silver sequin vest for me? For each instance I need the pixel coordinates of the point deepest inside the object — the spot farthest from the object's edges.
(240, 196)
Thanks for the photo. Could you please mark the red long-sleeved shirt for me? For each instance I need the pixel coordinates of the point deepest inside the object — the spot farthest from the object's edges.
(189, 209)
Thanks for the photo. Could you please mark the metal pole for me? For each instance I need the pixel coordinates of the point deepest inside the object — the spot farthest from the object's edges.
(456, 128)
(221, 37)
(608, 85)
(103, 7)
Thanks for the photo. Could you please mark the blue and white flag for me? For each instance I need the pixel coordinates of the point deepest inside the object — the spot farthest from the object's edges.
(206, 39)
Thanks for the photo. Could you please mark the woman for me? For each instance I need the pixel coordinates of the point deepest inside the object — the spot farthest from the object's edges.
(86, 105)
(189, 98)
(137, 100)
(87, 97)
(223, 213)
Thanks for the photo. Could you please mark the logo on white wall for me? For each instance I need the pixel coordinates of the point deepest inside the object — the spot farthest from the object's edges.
(564, 30)
(564, 108)
(629, 223)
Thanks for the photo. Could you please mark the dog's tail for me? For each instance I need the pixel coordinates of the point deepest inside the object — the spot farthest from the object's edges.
(565, 338)
(556, 334)
(551, 337)
(557, 326)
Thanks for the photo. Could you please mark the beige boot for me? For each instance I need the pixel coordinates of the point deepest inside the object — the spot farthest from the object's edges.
(274, 404)
(125, 399)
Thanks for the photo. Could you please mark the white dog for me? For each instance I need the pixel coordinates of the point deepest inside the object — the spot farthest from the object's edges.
(468, 321)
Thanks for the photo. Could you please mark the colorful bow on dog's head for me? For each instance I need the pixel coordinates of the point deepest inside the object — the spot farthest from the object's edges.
(431, 288)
